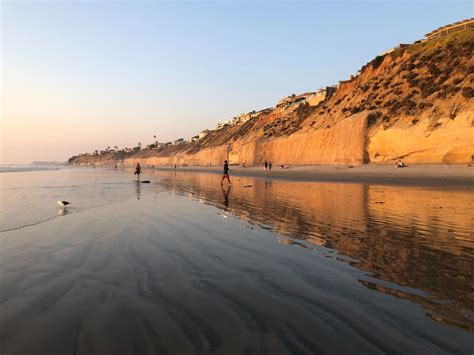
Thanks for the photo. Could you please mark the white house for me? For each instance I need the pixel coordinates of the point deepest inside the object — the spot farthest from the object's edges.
(203, 133)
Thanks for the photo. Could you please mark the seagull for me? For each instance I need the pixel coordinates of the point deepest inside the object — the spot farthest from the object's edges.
(63, 203)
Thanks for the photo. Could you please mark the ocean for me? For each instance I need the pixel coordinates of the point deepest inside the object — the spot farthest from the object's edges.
(182, 265)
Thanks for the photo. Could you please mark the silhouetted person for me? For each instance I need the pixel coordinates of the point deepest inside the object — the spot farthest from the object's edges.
(225, 174)
(138, 171)
(266, 165)
(270, 165)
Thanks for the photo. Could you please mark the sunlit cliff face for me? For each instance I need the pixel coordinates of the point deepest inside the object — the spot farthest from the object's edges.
(413, 237)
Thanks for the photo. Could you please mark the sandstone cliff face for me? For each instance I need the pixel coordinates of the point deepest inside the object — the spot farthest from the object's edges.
(451, 142)
(414, 104)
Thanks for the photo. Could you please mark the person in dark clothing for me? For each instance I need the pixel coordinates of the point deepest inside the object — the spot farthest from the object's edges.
(266, 165)
(138, 171)
(225, 174)
(270, 165)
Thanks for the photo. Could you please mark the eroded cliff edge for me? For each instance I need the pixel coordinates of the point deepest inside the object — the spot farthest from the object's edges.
(415, 103)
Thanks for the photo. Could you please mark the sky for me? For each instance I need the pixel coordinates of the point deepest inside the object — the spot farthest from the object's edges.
(83, 75)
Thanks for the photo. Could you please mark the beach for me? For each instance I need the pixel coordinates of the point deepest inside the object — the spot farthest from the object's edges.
(268, 265)
(442, 175)
(237, 177)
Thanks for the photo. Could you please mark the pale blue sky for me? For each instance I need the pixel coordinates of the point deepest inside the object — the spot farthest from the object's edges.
(83, 75)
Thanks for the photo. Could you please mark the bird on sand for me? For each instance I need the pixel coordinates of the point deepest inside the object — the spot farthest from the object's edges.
(63, 203)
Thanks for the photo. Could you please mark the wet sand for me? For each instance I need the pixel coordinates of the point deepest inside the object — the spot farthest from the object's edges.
(415, 175)
(265, 266)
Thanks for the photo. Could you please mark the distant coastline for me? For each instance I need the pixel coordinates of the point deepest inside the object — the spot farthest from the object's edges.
(10, 168)
(47, 163)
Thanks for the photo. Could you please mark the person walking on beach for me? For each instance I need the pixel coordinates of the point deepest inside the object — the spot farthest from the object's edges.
(138, 171)
(225, 174)
(270, 165)
(266, 165)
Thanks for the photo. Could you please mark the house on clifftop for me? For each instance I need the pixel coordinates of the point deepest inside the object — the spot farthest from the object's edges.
(204, 133)
(310, 98)
(454, 27)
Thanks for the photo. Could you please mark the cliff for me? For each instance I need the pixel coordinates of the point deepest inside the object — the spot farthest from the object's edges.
(415, 103)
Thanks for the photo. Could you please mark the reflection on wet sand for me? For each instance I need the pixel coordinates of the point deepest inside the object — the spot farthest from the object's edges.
(225, 194)
(138, 189)
(416, 243)
(62, 211)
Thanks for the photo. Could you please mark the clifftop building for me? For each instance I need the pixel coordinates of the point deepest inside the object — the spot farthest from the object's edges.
(311, 98)
(245, 117)
(439, 32)
(203, 133)
(221, 125)
(454, 27)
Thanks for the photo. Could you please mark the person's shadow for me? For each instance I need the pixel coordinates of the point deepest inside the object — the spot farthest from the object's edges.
(225, 194)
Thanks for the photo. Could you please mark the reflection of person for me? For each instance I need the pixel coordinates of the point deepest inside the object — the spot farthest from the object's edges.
(63, 211)
(225, 174)
(138, 171)
(225, 193)
(138, 189)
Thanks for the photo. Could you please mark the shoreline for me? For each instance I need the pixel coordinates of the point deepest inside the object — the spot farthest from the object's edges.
(414, 175)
